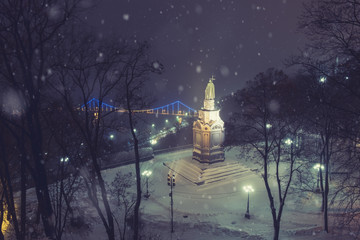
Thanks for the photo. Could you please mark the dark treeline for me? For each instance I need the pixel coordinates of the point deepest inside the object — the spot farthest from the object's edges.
(51, 63)
(313, 115)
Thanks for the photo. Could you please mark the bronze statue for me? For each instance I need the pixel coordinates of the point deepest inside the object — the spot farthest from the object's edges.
(210, 90)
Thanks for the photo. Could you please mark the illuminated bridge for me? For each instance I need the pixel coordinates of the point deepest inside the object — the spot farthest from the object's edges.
(175, 108)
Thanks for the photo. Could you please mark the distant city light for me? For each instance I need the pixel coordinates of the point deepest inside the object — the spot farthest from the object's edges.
(153, 125)
(111, 136)
(153, 141)
(134, 129)
(288, 141)
(166, 121)
(268, 125)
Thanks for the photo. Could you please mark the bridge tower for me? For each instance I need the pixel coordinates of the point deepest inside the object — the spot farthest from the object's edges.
(208, 130)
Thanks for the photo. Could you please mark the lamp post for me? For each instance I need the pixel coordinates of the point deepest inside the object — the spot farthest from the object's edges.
(172, 202)
(171, 183)
(248, 189)
(288, 141)
(147, 173)
(318, 167)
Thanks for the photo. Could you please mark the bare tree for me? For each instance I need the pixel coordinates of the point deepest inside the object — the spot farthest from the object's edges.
(266, 123)
(28, 32)
(101, 69)
(12, 147)
(91, 69)
(332, 57)
(134, 82)
(125, 200)
(333, 28)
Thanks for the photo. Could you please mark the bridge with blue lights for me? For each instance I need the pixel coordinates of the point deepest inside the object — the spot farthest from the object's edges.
(175, 108)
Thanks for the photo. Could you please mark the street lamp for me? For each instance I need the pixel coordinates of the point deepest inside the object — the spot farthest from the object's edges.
(248, 189)
(322, 79)
(64, 159)
(288, 141)
(317, 167)
(147, 173)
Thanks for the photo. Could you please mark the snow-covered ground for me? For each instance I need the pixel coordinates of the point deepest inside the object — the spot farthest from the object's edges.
(216, 211)
(211, 211)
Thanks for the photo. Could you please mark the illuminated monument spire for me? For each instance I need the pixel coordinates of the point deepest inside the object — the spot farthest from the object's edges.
(208, 130)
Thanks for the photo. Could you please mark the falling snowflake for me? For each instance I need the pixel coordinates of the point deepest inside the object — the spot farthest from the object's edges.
(100, 57)
(126, 16)
(180, 89)
(274, 106)
(156, 65)
(198, 9)
(13, 103)
(198, 69)
(53, 12)
(224, 71)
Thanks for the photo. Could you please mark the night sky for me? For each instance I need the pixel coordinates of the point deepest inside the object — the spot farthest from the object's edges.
(230, 39)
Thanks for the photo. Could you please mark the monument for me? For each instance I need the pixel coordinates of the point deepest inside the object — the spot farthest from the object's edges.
(208, 130)
(209, 169)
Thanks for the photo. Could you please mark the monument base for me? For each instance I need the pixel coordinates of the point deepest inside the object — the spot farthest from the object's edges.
(201, 174)
(209, 156)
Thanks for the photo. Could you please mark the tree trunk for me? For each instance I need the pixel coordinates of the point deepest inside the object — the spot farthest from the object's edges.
(322, 190)
(322, 156)
(23, 197)
(326, 193)
(276, 229)
(110, 230)
(41, 183)
(137, 165)
(138, 191)
(45, 208)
